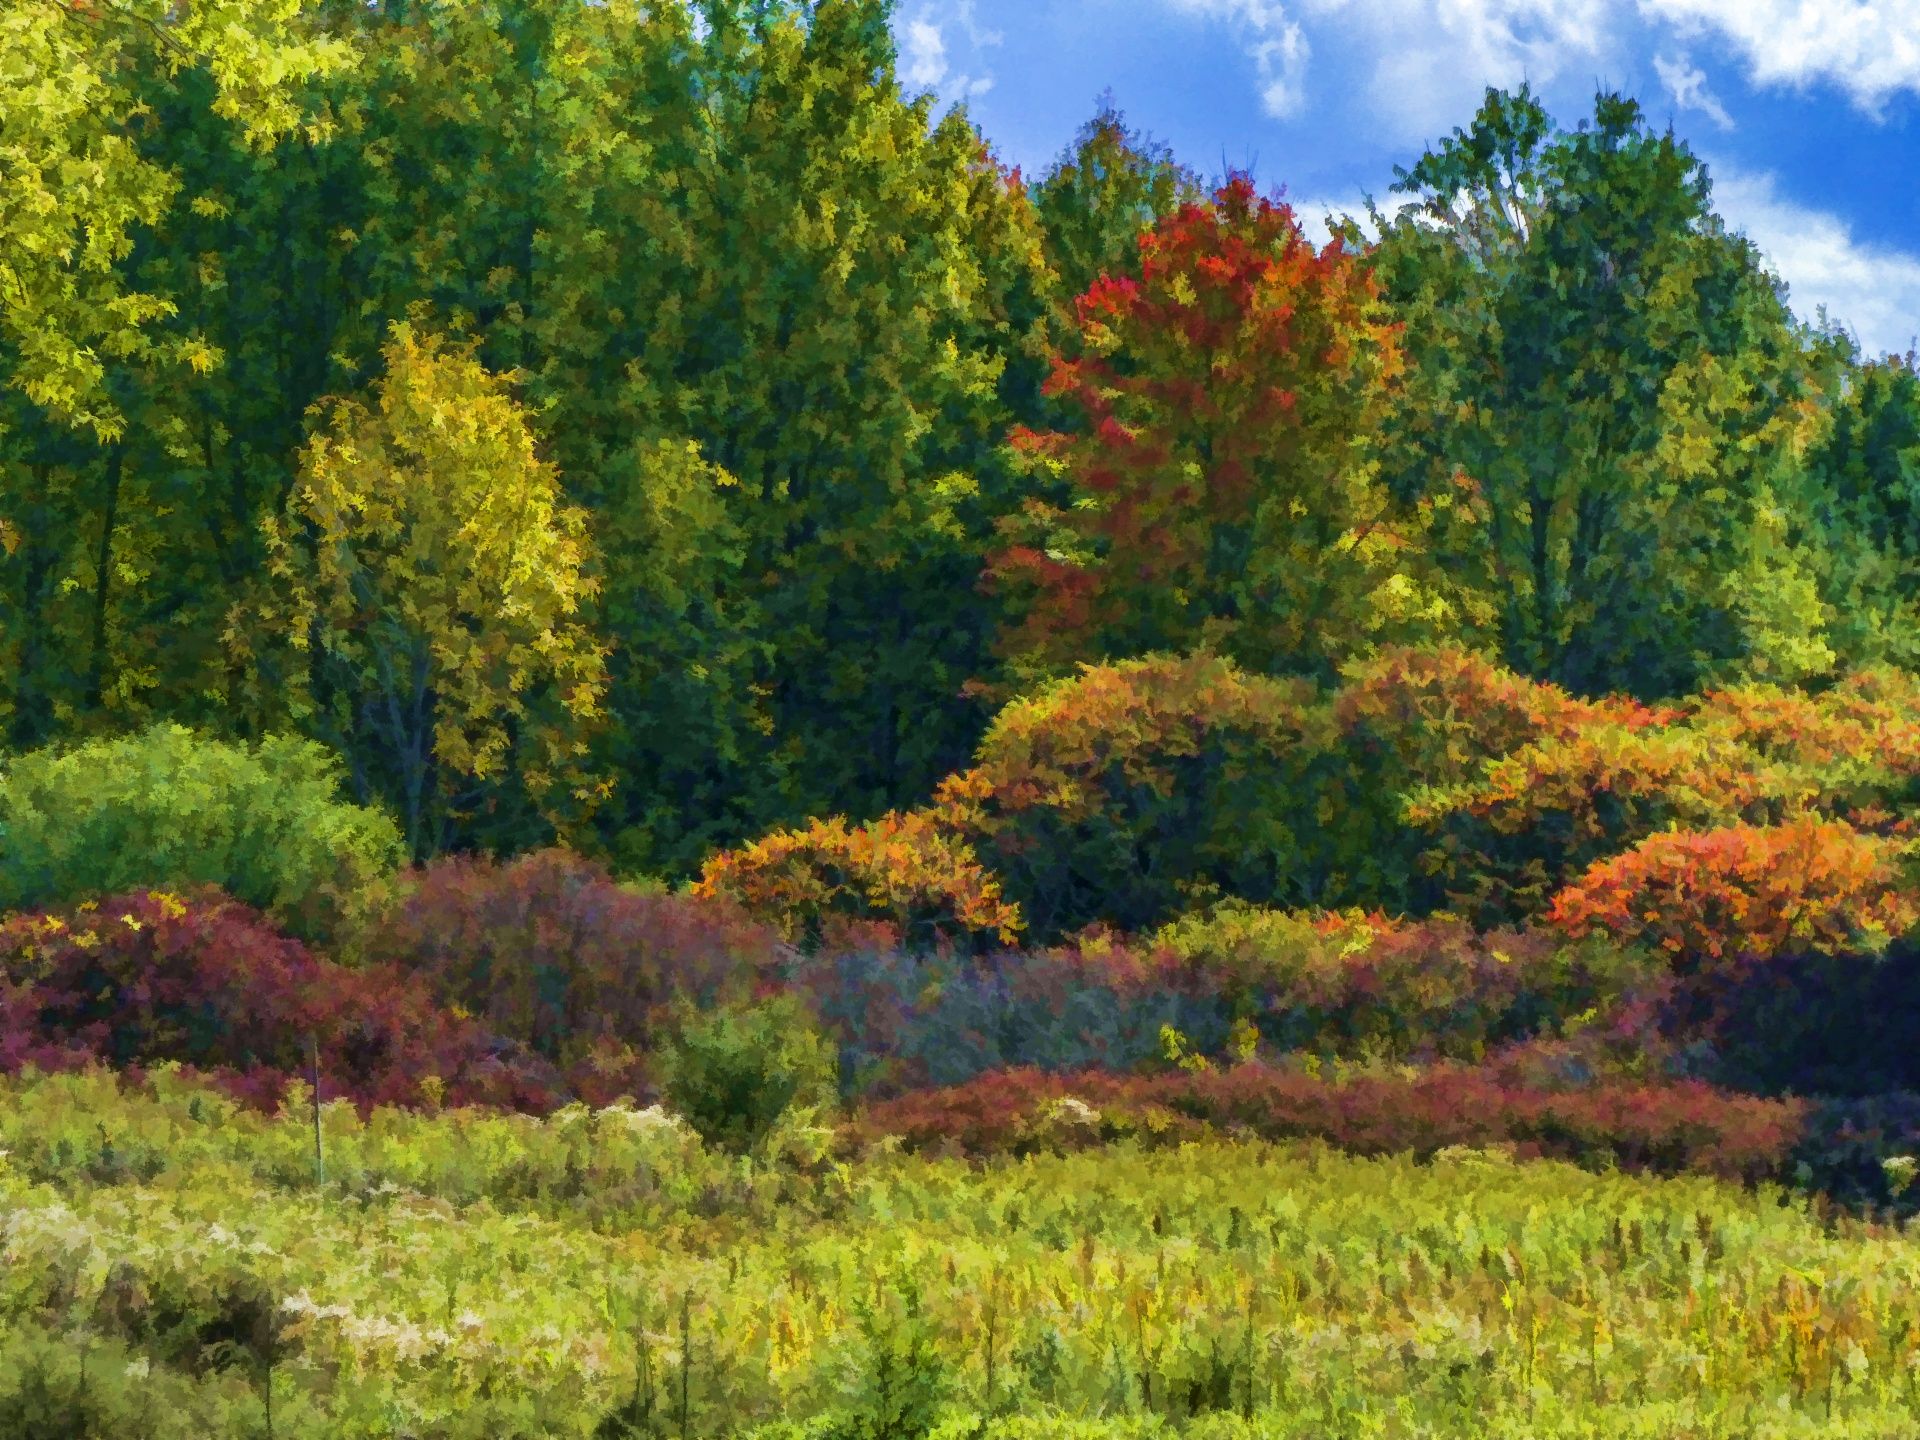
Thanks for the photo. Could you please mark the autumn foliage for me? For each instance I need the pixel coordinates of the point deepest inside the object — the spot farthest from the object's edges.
(1129, 791)
(901, 869)
(1517, 829)
(1745, 892)
(551, 952)
(1660, 1127)
(1216, 491)
(145, 977)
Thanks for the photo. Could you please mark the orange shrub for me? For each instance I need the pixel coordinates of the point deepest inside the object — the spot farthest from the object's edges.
(902, 869)
(1426, 724)
(1852, 752)
(1746, 893)
(1443, 709)
(1525, 823)
(1131, 791)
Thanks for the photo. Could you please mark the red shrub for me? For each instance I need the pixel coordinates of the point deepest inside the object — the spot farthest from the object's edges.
(1665, 1127)
(146, 977)
(551, 951)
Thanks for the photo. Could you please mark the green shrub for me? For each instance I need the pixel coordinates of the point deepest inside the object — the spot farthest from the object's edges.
(1354, 985)
(167, 808)
(734, 1072)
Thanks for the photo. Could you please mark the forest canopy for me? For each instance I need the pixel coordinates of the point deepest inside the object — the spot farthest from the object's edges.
(650, 426)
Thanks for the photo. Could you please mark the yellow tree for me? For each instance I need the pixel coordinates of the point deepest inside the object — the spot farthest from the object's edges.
(429, 574)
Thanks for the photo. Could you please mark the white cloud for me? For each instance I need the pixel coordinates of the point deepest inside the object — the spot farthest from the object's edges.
(1871, 48)
(1873, 290)
(1277, 46)
(923, 50)
(976, 35)
(1312, 213)
(1687, 84)
(1427, 63)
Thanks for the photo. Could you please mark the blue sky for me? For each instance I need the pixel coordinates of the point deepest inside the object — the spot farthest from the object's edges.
(1807, 112)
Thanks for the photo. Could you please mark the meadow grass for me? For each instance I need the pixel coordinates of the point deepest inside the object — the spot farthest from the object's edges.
(604, 1273)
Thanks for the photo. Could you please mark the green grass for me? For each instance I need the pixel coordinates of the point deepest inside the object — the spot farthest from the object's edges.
(467, 1275)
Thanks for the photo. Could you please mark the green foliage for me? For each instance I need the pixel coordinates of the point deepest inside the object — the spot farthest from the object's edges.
(842, 344)
(1354, 986)
(1616, 382)
(1868, 475)
(737, 1070)
(406, 1306)
(62, 1386)
(901, 1378)
(80, 186)
(1105, 192)
(166, 807)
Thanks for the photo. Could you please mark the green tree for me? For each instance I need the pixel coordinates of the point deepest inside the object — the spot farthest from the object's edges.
(529, 166)
(1866, 488)
(1105, 192)
(158, 358)
(842, 348)
(79, 185)
(1619, 383)
(431, 577)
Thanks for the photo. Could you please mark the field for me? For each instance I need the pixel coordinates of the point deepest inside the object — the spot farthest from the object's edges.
(175, 1266)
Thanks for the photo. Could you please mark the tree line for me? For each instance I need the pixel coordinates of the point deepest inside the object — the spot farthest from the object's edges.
(649, 426)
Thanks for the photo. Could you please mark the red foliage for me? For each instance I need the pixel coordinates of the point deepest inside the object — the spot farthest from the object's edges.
(551, 951)
(149, 977)
(1664, 1127)
(1233, 370)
